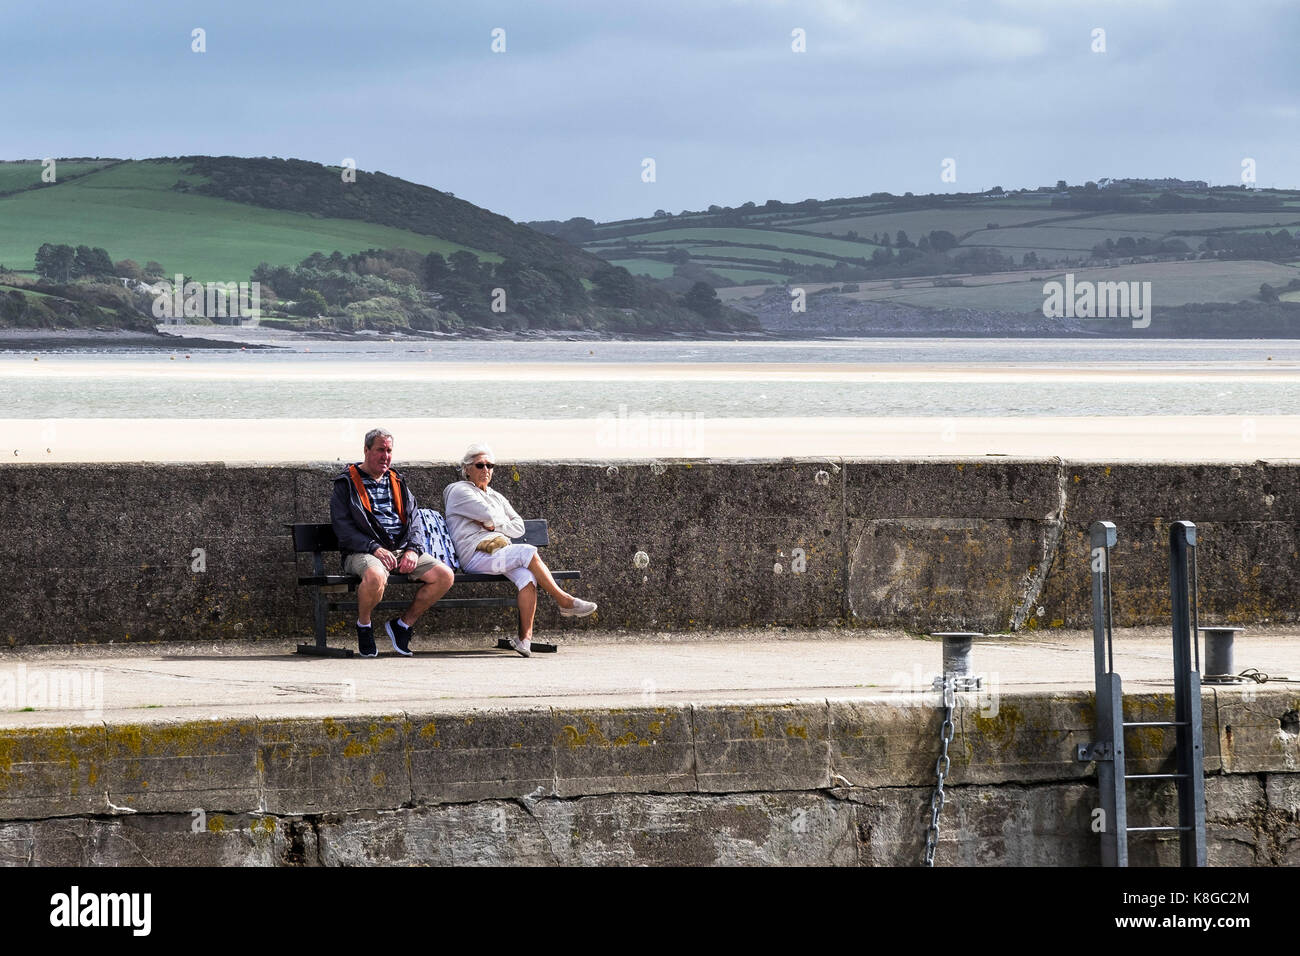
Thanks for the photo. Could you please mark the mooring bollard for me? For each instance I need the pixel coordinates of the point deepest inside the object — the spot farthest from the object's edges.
(957, 659)
(1219, 668)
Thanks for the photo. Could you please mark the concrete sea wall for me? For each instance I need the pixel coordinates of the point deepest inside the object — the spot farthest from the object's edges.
(136, 552)
(824, 782)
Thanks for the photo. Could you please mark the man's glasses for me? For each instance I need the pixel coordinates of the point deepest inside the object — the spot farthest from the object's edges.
(484, 464)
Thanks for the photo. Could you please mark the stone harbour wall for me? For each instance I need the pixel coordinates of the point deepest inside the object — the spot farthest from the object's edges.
(140, 552)
(819, 782)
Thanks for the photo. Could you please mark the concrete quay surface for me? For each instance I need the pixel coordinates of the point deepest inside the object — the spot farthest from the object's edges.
(770, 748)
(238, 679)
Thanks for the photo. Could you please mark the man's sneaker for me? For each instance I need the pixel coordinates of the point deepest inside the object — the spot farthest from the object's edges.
(524, 648)
(366, 641)
(400, 635)
(580, 608)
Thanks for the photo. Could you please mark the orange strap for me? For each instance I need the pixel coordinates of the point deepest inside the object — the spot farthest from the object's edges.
(355, 474)
(397, 495)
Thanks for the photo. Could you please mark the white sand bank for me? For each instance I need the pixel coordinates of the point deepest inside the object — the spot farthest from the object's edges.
(1107, 439)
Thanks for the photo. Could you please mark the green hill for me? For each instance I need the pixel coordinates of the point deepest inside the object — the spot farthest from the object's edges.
(373, 251)
(885, 237)
(133, 210)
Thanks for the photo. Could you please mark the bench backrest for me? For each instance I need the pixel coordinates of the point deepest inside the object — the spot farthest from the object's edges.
(321, 537)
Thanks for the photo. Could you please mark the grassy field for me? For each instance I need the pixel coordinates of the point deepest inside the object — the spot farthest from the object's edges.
(747, 252)
(132, 211)
(922, 221)
(767, 237)
(1172, 283)
(1128, 224)
(1049, 240)
(649, 267)
(744, 275)
(21, 175)
(662, 270)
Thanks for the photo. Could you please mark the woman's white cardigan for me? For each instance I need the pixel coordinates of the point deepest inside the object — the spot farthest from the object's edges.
(465, 506)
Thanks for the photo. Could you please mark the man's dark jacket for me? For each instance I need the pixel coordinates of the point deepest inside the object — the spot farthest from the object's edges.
(359, 532)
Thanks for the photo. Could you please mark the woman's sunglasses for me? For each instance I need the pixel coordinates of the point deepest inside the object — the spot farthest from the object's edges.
(484, 464)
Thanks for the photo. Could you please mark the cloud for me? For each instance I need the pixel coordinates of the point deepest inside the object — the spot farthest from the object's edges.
(557, 125)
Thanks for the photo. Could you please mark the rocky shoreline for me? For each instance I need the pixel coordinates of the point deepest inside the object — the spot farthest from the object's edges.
(44, 340)
(828, 316)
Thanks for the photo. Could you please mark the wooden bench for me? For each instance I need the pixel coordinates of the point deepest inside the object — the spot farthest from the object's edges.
(317, 539)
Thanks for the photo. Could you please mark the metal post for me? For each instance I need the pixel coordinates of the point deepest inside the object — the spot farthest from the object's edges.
(956, 654)
(1219, 667)
(957, 660)
(1103, 538)
(1110, 706)
(1187, 696)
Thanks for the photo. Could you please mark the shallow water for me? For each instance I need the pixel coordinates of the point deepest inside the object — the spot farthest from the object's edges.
(881, 377)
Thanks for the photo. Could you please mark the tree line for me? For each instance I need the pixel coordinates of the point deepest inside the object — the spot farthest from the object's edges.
(59, 262)
(393, 288)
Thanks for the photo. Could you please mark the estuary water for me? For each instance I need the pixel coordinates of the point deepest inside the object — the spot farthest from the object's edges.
(844, 378)
(312, 400)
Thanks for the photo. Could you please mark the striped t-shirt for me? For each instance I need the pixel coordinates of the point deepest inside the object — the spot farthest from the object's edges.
(381, 504)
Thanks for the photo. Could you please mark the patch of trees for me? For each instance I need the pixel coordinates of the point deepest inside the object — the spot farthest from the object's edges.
(1279, 246)
(63, 263)
(702, 300)
(1105, 200)
(1269, 294)
(128, 268)
(1140, 246)
(576, 230)
(396, 288)
(376, 289)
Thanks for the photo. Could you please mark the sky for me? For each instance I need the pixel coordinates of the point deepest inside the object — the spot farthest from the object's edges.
(561, 121)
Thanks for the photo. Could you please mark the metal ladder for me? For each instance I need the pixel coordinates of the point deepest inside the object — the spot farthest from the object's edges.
(1108, 748)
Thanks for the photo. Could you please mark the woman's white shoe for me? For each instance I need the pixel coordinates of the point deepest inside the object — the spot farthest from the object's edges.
(580, 608)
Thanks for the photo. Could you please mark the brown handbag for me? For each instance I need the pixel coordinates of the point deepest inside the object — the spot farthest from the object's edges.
(492, 543)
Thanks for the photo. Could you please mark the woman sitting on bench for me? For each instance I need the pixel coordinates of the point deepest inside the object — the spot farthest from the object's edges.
(481, 523)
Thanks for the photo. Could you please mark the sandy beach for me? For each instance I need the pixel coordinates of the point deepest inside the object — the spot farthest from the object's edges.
(632, 437)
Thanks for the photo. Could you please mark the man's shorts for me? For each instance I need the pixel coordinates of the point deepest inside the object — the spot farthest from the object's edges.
(358, 563)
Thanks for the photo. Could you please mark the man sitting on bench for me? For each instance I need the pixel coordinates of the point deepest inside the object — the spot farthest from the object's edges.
(377, 523)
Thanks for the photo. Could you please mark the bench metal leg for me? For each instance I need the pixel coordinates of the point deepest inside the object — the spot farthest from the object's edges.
(320, 648)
